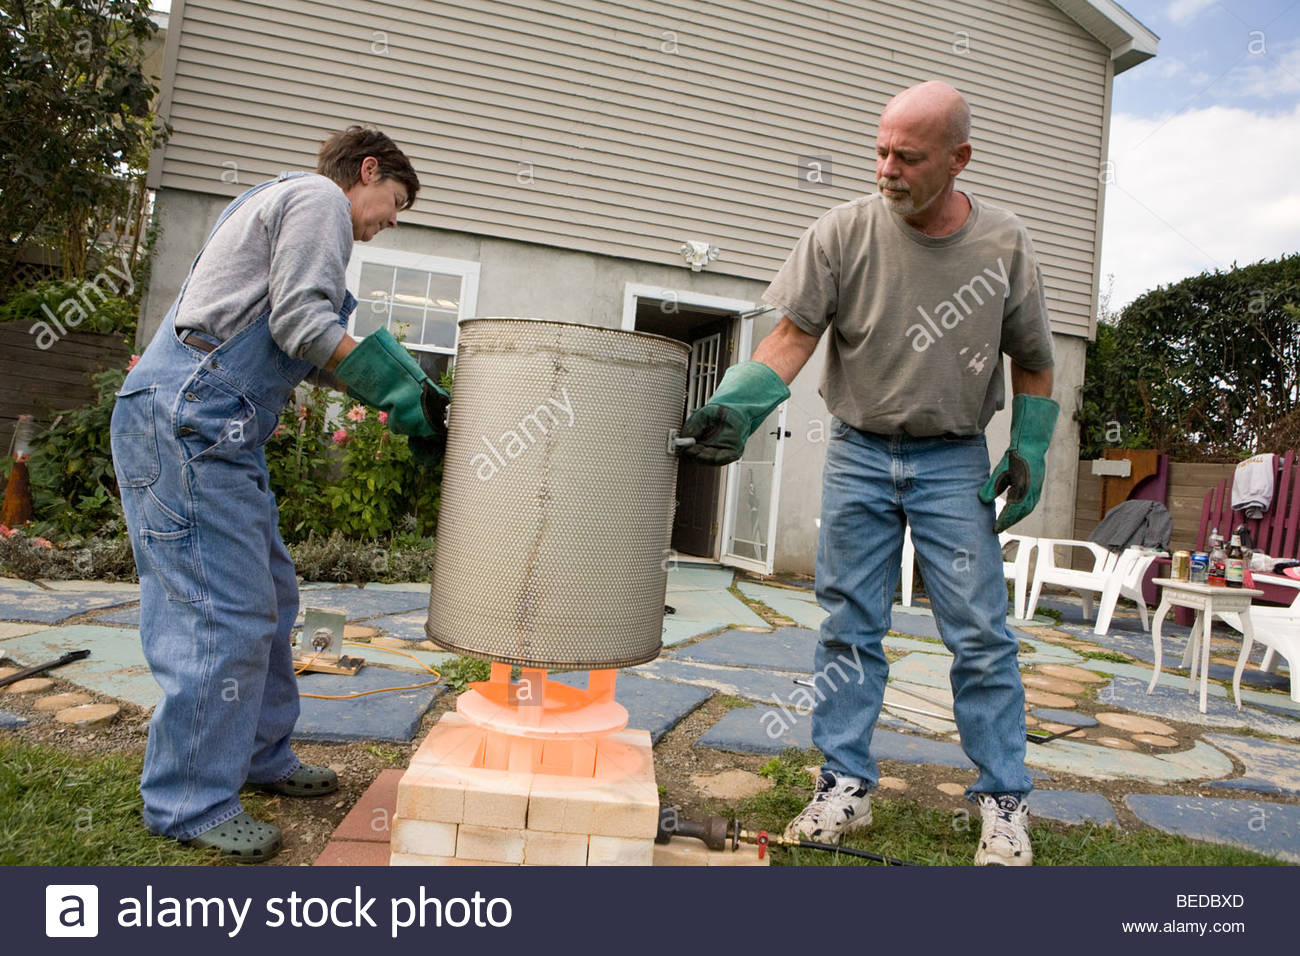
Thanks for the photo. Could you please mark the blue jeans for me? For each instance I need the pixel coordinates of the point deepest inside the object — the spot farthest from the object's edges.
(872, 486)
(218, 593)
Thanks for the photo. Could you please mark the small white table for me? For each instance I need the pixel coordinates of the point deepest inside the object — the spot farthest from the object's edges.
(1206, 601)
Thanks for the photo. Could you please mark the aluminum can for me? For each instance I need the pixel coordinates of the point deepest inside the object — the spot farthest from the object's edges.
(1199, 568)
(1181, 565)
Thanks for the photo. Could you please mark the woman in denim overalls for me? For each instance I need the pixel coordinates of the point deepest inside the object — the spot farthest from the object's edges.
(218, 593)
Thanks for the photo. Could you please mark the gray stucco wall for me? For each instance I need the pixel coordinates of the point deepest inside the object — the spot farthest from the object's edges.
(521, 279)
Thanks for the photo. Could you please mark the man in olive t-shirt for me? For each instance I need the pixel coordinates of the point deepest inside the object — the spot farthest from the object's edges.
(922, 289)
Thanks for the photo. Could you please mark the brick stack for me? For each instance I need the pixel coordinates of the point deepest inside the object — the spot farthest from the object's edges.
(453, 811)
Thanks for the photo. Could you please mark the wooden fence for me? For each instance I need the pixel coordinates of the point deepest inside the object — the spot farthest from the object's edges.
(43, 382)
(1188, 484)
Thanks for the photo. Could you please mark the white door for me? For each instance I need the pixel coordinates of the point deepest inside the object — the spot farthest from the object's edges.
(754, 482)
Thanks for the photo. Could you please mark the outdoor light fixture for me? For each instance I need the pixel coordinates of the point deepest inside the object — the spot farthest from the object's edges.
(698, 254)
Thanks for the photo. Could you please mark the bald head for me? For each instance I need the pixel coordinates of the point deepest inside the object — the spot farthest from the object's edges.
(935, 105)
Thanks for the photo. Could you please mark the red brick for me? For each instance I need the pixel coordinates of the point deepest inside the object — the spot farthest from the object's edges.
(371, 817)
(353, 853)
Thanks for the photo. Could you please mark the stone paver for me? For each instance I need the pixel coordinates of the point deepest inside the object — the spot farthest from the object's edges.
(23, 601)
(116, 666)
(1087, 759)
(785, 649)
(56, 702)
(1177, 704)
(1155, 740)
(799, 606)
(1053, 685)
(1270, 767)
(1268, 828)
(951, 789)
(89, 715)
(1116, 743)
(1070, 672)
(8, 671)
(9, 629)
(1041, 698)
(715, 607)
(678, 631)
(688, 577)
(392, 717)
(1072, 806)
(892, 783)
(361, 604)
(31, 685)
(1068, 717)
(1134, 723)
(768, 686)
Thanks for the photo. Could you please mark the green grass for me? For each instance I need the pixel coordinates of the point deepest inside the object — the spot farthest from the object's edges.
(70, 810)
(901, 828)
(733, 703)
(1112, 656)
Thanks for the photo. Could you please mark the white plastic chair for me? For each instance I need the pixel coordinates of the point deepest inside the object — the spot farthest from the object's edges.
(1111, 577)
(1015, 570)
(1277, 628)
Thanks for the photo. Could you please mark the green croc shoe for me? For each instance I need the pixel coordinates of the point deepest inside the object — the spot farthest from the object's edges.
(241, 838)
(306, 781)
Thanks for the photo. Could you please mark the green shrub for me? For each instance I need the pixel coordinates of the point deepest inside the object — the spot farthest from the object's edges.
(74, 489)
(76, 304)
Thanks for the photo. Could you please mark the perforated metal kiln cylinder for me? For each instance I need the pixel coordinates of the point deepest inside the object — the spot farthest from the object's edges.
(557, 494)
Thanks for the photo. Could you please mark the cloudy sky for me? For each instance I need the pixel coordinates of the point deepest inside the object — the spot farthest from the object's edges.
(1205, 144)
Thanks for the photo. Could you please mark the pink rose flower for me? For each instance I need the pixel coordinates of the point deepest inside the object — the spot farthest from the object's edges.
(383, 418)
(6, 531)
(357, 413)
(134, 360)
(302, 413)
(42, 542)
(341, 437)
(279, 430)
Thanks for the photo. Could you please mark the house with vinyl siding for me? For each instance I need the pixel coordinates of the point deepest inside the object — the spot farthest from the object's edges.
(576, 155)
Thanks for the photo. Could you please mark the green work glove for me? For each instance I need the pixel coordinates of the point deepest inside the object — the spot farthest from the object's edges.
(383, 375)
(745, 396)
(1020, 472)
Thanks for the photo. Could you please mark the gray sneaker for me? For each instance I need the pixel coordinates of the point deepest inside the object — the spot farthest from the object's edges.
(1004, 834)
(839, 805)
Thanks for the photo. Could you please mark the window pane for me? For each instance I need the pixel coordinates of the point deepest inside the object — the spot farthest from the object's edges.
(411, 287)
(376, 281)
(407, 324)
(369, 317)
(444, 292)
(440, 329)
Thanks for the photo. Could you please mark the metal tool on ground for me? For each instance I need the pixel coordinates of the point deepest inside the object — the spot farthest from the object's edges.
(721, 833)
(1042, 737)
(320, 645)
(32, 671)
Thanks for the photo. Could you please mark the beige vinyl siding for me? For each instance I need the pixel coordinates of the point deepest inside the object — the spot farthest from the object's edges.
(633, 150)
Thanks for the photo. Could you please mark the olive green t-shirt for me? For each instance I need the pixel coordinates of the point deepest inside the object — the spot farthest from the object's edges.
(918, 324)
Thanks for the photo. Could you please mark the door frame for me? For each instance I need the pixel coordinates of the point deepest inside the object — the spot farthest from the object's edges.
(742, 346)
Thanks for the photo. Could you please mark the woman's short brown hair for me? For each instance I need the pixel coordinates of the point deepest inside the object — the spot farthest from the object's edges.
(341, 155)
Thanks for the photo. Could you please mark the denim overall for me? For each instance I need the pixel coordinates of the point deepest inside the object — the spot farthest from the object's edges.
(218, 593)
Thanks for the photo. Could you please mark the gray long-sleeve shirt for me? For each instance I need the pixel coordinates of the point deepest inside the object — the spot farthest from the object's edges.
(285, 249)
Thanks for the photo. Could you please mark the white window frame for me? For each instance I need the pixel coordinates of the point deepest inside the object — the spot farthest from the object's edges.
(467, 270)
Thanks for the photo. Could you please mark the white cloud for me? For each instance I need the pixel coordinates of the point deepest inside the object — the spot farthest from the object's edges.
(1196, 191)
(1273, 72)
(1180, 11)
